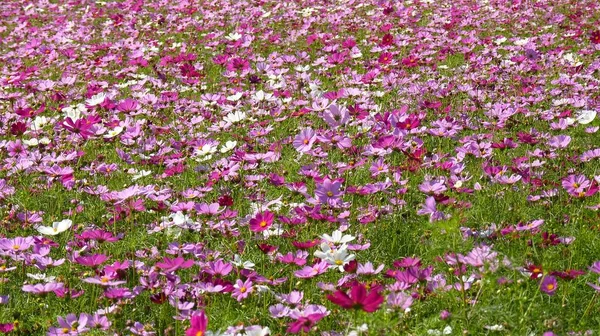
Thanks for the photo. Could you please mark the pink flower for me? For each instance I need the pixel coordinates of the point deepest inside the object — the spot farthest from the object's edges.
(171, 265)
(312, 271)
(105, 280)
(242, 289)
(304, 141)
(43, 288)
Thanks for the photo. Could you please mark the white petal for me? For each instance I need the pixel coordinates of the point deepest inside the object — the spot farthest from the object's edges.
(45, 230)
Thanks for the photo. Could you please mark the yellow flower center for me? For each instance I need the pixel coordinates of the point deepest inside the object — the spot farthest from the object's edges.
(263, 223)
(104, 280)
(16, 247)
(243, 290)
(200, 333)
(305, 141)
(550, 286)
(338, 262)
(329, 193)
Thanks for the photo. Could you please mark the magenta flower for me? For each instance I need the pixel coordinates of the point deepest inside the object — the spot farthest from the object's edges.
(359, 298)
(262, 221)
(171, 265)
(92, 260)
(198, 324)
(304, 324)
(80, 126)
(549, 285)
(218, 267)
(5, 328)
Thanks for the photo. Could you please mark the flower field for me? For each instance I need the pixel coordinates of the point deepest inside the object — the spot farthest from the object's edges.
(260, 167)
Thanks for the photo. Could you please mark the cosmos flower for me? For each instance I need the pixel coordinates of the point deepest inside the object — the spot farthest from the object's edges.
(358, 298)
(549, 285)
(171, 265)
(56, 228)
(242, 289)
(43, 288)
(198, 324)
(304, 141)
(262, 221)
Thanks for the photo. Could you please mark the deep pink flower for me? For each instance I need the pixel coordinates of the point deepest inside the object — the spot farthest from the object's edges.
(5, 328)
(304, 324)
(262, 221)
(198, 324)
(359, 298)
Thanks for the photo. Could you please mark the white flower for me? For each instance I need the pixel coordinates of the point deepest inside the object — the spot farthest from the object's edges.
(260, 95)
(238, 262)
(205, 150)
(337, 237)
(56, 228)
(257, 331)
(113, 132)
(275, 230)
(74, 111)
(96, 99)
(31, 142)
(141, 174)
(521, 42)
(173, 232)
(41, 277)
(337, 258)
(302, 68)
(234, 36)
(500, 40)
(573, 59)
(234, 117)
(495, 327)
(235, 97)
(38, 123)
(586, 116)
(179, 218)
(306, 12)
(229, 145)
